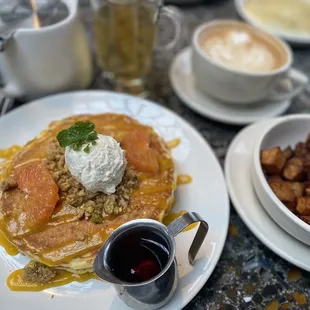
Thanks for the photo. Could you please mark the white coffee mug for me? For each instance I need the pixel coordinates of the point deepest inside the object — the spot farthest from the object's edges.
(41, 61)
(244, 87)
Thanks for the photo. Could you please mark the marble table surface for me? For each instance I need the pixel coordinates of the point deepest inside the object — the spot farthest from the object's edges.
(248, 275)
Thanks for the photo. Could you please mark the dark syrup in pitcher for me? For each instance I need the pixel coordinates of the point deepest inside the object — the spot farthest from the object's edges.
(139, 256)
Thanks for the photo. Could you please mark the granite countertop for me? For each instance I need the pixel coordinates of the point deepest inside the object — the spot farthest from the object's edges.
(248, 275)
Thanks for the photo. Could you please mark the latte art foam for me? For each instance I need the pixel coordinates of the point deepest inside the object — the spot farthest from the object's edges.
(238, 48)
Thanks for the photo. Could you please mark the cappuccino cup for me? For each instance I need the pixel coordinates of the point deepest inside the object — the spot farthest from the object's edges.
(239, 64)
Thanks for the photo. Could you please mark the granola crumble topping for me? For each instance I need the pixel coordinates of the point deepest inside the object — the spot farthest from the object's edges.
(93, 206)
(38, 273)
(7, 184)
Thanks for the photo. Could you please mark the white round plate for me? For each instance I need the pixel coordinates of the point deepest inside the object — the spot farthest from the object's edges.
(238, 178)
(290, 37)
(206, 195)
(183, 84)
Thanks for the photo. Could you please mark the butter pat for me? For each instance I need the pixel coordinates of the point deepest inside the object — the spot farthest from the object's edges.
(100, 170)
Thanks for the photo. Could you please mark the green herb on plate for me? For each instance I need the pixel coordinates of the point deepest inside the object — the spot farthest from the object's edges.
(79, 136)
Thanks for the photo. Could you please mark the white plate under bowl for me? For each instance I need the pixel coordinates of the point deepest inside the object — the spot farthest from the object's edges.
(238, 164)
(206, 195)
(288, 131)
(183, 83)
(290, 37)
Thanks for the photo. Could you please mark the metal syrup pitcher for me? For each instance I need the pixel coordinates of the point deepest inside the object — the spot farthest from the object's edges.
(156, 238)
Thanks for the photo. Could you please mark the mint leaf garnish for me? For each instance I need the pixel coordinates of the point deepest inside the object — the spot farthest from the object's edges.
(87, 148)
(78, 135)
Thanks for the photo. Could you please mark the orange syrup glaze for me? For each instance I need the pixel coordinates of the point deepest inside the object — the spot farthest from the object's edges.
(173, 143)
(15, 280)
(9, 152)
(9, 247)
(184, 179)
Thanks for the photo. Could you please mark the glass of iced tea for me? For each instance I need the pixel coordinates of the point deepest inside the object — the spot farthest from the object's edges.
(125, 36)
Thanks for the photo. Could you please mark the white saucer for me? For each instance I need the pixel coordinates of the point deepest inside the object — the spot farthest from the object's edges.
(183, 83)
(238, 178)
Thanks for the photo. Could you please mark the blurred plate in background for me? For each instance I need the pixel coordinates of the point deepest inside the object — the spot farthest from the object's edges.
(288, 19)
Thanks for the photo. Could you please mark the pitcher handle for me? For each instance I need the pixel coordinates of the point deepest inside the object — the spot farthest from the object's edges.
(184, 221)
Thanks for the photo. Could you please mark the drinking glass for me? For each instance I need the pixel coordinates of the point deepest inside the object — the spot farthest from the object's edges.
(125, 35)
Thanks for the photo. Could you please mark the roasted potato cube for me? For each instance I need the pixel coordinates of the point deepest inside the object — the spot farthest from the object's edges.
(274, 178)
(298, 161)
(301, 149)
(288, 175)
(306, 219)
(293, 172)
(285, 193)
(307, 191)
(307, 166)
(288, 153)
(298, 188)
(307, 188)
(273, 160)
(307, 156)
(303, 205)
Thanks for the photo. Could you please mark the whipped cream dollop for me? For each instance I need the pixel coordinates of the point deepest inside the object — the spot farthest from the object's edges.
(100, 170)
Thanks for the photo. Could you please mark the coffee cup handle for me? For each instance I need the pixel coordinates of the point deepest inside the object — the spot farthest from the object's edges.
(10, 90)
(184, 221)
(177, 19)
(290, 85)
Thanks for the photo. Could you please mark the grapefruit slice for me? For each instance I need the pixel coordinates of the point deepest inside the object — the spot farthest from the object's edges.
(34, 201)
(139, 153)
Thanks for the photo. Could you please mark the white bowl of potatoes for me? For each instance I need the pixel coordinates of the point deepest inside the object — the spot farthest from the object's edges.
(281, 174)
